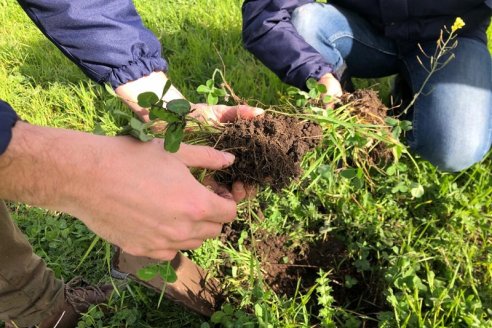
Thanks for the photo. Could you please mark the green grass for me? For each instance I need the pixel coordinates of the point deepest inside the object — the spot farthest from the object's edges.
(417, 261)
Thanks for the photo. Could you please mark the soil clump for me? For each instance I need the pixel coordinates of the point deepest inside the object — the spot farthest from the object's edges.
(268, 149)
(367, 107)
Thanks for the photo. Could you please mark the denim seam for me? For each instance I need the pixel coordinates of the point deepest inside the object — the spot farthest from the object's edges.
(333, 38)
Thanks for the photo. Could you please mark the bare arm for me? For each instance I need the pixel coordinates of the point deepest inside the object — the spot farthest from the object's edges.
(132, 194)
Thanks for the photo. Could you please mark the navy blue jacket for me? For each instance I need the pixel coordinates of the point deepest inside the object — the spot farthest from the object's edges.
(270, 36)
(106, 39)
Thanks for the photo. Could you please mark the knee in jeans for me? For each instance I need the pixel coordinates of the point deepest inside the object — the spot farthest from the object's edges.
(304, 20)
(311, 22)
(458, 157)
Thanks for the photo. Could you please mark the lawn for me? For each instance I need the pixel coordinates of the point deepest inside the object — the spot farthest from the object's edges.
(375, 250)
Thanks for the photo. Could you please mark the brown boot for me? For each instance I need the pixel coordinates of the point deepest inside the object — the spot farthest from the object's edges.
(79, 296)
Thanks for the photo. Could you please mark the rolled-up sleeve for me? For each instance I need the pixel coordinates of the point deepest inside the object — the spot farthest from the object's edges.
(105, 38)
(269, 34)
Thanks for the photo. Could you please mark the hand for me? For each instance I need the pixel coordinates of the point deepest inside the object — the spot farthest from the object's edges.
(132, 194)
(224, 114)
(212, 114)
(149, 204)
(333, 87)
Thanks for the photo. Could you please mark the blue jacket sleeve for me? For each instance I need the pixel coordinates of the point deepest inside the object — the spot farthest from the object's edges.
(8, 118)
(269, 34)
(106, 39)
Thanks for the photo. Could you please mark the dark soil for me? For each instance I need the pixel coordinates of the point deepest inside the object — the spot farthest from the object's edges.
(368, 108)
(284, 263)
(268, 149)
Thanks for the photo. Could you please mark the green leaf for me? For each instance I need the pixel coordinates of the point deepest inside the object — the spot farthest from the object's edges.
(212, 100)
(98, 130)
(148, 273)
(210, 84)
(321, 88)
(228, 309)
(144, 137)
(391, 121)
(311, 83)
(401, 187)
(219, 92)
(417, 190)
(217, 317)
(110, 90)
(357, 183)
(258, 310)
(147, 99)
(174, 136)
(327, 99)
(167, 272)
(203, 89)
(167, 86)
(349, 173)
(301, 102)
(136, 124)
(179, 106)
(406, 125)
(292, 91)
(313, 93)
(160, 113)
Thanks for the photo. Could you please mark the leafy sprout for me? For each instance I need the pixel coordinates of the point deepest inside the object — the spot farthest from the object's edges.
(173, 113)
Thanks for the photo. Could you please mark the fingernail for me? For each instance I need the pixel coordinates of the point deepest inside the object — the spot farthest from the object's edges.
(226, 195)
(229, 157)
(258, 111)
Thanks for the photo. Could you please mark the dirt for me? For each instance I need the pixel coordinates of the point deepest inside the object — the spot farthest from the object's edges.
(268, 149)
(367, 107)
(283, 263)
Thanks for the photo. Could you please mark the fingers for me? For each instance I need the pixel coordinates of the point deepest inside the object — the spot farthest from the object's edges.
(227, 114)
(222, 210)
(223, 113)
(217, 188)
(240, 191)
(162, 255)
(204, 157)
(333, 86)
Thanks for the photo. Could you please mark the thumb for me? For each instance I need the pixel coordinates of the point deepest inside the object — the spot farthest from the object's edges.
(204, 157)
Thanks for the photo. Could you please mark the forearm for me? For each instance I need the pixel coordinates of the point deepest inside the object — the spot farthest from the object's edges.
(41, 165)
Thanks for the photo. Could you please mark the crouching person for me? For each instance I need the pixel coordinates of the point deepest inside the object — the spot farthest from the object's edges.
(452, 116)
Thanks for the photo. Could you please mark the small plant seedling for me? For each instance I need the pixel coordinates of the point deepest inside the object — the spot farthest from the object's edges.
(165, 270)
(211, 92)
(173, 113)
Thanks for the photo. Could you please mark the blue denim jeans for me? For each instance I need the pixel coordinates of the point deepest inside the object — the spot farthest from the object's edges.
(452, 117)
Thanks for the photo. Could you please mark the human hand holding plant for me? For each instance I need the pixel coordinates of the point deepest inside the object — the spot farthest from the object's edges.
(333, 88)
(133, 194)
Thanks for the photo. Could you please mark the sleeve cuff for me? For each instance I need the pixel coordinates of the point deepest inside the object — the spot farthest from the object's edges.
(8, 118)
(135, 70)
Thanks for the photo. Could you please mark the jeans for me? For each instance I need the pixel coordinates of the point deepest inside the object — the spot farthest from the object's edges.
(29, 291)
(452, 117)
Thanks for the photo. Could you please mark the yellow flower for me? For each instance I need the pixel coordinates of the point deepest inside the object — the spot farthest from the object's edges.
(458, 24)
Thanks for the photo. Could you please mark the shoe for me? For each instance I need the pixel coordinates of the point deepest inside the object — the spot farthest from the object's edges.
(79, 296)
